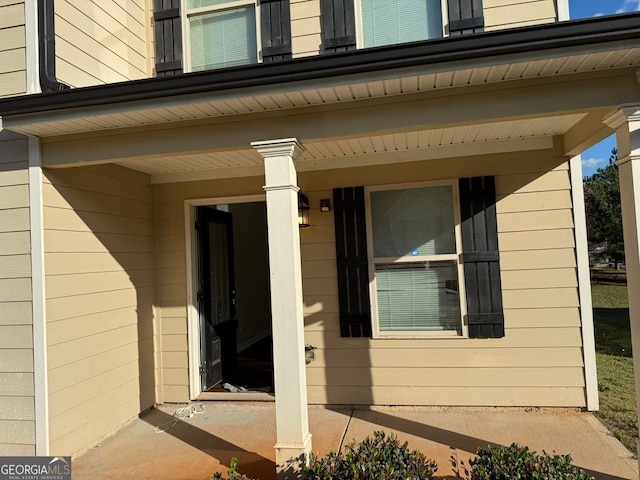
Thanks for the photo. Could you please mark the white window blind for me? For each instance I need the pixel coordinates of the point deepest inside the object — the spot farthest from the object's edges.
(223, 39)
(387, 22)
(420, 297)
(411, 222)
(207, 3)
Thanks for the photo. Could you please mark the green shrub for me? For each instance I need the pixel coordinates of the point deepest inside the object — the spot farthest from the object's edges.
(519, 463)
(378, 458)
(232, 472)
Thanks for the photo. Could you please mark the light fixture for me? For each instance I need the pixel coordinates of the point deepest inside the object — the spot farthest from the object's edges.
(303, 210)
(325, 205)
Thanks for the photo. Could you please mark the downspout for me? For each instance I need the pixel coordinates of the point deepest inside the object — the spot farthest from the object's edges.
(36, 236)
(47, 47)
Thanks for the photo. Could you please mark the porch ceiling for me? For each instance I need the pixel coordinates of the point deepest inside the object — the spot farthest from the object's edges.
(530, 134)
(541, 87)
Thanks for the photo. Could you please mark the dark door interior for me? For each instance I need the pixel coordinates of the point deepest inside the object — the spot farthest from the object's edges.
(216, 296)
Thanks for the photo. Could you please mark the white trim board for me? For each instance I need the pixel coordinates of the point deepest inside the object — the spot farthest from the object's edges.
(562, 7)
(584, 284)
(39, 319)
(32, 53)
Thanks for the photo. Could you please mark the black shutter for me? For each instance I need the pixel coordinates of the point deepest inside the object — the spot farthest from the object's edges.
(168, 29)
(481, 258)
(338, 25)
(352, 261)
(275, 30)
(465, 16)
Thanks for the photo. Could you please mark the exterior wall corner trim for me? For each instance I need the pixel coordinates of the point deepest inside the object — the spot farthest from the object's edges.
(584, 284)
(39, 319)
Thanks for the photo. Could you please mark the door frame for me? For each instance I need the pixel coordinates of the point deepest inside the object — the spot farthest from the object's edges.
(193, 320)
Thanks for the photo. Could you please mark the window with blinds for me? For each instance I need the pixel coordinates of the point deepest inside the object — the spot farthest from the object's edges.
(222, 33)
(388, 22)
(414, 263)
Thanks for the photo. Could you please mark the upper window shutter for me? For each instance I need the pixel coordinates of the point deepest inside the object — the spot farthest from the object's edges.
(338, 25)
(465, 16)
(275, 30)
(481, 257)
(168, 30)
(352, 262)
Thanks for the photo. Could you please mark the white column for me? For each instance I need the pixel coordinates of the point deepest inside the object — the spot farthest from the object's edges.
(584, 284)
(292, 426)
(626, 122)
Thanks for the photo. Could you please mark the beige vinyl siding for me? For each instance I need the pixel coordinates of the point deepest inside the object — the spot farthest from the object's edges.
(169, 214)
(17, 406)
(171, 300)
(306, 36)
(13, 76)
(100, 277)
(500, 14)
(101, 42)
(538, 362)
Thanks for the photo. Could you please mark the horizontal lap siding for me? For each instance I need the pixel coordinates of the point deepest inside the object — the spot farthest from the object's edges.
(305, 28)
(101, 42)
(500, 14)
(538, 362)
(100, 285)
(17, 425)
(169, 216)
(450, 396)
(13, 78)
(172, 300)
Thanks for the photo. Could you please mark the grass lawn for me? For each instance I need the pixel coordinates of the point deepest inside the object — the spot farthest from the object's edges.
(614, 361)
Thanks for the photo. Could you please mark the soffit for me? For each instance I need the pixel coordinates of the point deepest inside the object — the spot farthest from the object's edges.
(555, 64)
(533, 133)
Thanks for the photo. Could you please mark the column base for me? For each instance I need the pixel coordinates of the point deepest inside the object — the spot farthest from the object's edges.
(291, 457)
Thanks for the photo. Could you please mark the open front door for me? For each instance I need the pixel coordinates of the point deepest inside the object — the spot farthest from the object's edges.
(216, 296)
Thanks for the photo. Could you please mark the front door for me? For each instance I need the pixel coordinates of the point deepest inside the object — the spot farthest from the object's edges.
(216, 296)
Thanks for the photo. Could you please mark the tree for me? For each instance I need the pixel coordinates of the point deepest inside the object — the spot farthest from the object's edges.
(604, 216)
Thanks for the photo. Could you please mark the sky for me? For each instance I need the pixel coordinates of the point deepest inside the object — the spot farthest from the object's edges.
(598, 155)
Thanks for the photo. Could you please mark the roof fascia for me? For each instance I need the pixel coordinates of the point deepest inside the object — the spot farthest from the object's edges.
(525, 40)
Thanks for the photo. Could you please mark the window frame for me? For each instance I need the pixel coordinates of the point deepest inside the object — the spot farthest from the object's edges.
(457, 257)
(444, 7)
(187, 13)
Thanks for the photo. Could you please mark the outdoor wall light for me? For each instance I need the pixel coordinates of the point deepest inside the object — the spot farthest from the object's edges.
(325, 205)
(303, 210)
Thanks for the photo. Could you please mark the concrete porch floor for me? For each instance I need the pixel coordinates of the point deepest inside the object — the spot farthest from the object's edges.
(204, 444)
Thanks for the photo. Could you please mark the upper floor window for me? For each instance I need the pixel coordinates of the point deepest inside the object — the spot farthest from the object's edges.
(388, 22)
(221, 33)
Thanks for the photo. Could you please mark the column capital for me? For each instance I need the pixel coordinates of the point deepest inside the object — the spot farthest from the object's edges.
(624, 113)
(278, 148)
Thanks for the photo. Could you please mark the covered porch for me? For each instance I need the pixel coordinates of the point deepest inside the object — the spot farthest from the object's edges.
(519, 104)
(204, 444)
